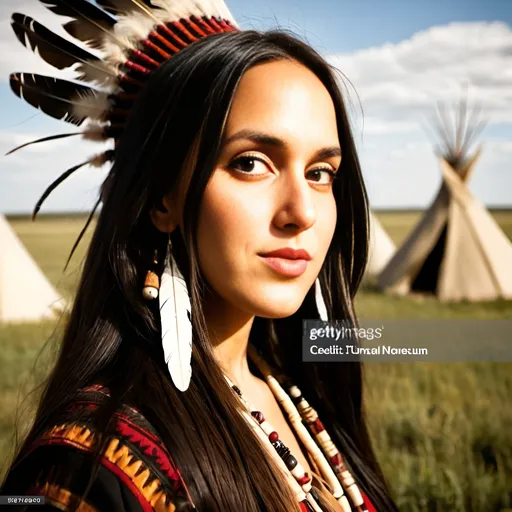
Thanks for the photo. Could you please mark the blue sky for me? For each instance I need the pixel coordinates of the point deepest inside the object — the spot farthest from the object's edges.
(400, 58)
(342, 25)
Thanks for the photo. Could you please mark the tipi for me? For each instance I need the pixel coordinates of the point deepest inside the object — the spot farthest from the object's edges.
(25, 293)
(457, 251)
(381, 250)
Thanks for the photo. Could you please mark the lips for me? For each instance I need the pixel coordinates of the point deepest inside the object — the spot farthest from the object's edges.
(287, 261)
(289, 254)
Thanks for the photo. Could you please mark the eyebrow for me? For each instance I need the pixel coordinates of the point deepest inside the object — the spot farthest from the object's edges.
(269, 140)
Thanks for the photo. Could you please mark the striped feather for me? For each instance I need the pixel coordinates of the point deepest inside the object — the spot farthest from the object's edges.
(59, 52)
(89, 24)
(55, 97)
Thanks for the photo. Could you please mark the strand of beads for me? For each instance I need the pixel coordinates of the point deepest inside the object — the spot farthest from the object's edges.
(298, 479)
(310, 417)
(303, 433)
(300, 495)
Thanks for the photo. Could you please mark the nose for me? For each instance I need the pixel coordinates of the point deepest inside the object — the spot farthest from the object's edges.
(296, 208)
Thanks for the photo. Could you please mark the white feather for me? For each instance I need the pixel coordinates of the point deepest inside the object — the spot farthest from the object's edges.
(94, 132)
(176, 327)
(320, 304)
(134, 27)
(165, 17)
(173, 9)
(92, 106)
(99, 72)
(99, 160)
(114, 54)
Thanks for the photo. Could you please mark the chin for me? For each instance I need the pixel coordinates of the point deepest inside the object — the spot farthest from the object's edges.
(277, 305)
(275, 313)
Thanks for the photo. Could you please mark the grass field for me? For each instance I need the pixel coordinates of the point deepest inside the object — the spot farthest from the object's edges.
(443, 432)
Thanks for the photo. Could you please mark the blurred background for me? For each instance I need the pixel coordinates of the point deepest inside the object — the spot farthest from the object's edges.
(427, 83)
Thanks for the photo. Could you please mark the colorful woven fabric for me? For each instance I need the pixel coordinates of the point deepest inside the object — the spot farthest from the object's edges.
(136, 473)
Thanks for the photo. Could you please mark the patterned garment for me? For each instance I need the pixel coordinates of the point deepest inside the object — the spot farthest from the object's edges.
(136, 474)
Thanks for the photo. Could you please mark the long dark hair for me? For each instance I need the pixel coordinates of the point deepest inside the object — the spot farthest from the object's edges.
(112, 335)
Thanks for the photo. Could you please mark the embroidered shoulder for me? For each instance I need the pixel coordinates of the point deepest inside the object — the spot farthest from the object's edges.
(135, 453)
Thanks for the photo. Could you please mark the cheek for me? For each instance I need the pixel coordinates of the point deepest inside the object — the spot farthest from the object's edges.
(228, 227)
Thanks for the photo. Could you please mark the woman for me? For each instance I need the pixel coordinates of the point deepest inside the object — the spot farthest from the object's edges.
(234, 166)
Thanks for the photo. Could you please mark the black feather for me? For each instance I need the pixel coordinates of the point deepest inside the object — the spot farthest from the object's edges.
(55, 184)
(44, 139)
(82, 233)
(53, 96)
(52, 48)
(90, 23)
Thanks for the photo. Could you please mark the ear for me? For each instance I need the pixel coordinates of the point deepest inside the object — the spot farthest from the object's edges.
(165, 216)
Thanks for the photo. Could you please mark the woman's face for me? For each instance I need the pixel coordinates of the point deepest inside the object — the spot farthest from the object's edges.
(271, 189)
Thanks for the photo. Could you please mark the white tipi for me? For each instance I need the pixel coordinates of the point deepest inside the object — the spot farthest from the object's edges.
(457, 251)
(25, 293)
(381, 249)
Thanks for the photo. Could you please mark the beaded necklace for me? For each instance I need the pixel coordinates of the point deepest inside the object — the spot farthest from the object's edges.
(309, 429)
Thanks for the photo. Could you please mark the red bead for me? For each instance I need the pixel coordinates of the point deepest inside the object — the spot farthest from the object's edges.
(336, 460)
(136, 67)
(317, 426)
(304, 480)
(273, 436)
(259, 416)
(145, 58)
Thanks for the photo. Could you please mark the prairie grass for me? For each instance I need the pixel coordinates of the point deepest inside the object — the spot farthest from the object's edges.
(443, 432)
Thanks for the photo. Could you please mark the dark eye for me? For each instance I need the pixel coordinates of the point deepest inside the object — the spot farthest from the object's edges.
(321, 176)
(248, 165)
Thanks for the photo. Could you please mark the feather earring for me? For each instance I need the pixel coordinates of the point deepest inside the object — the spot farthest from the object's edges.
(319, 299)
(175, 316)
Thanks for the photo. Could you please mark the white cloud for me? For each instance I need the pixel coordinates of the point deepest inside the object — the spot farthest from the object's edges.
(501, 147)
(404, 80)
(379, 126)
(399, 85)
(404, 174)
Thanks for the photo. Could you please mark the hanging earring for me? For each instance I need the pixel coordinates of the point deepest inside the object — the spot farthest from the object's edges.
(152, 282)
(175, 316)
(319, 299)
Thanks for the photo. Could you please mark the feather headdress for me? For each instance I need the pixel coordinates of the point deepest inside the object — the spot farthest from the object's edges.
(133, 37)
